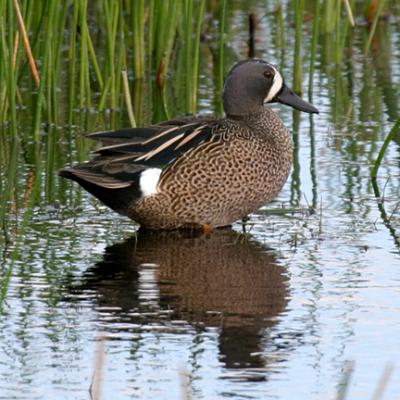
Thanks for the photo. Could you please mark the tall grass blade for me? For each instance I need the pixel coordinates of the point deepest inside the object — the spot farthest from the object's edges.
(51, 8)
(138, 18)
(195, 59)
(349, 12)
(221, 48)
(7, 193)
(84, 83)
(295, 192)
(314, 43)
(7, 50)
(27, 45)
(72, 63)
(381, 5)
(327, 22)
(169, 17)
(388, 138)
(95, 63)
(297, 70)
(281, 31)
(188, 45)
(338, 32)
(128, 99)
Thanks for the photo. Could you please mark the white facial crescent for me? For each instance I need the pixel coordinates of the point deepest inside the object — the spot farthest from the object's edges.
(276, 86)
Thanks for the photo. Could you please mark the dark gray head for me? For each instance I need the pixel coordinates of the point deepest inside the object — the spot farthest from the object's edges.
(252, 83)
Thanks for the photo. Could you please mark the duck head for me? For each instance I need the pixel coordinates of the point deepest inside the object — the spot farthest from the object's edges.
(252, 83)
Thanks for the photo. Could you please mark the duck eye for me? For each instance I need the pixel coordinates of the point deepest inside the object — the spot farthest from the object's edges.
(268, 74)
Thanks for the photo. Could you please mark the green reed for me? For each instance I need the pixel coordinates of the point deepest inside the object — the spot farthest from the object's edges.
(144, 38)
(381, 5)
(8, 42)
(8, 189)
(165, 24)
(314, 42)
(329, 11)
(72, 62)
(220, 69)
(389, 137)
(138, 42)
(128, 99)
(45, 69)
(297, 64)
(188, 44)
(193, 58)
(280, 39)
(295, 192)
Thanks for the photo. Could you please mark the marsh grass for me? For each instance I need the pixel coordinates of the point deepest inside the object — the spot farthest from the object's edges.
(145, 39)
(389, 137)
(298, 6)
(313, 50)
(345, 380)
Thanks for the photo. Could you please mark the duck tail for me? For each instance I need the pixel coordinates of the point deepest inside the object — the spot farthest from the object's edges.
(116, 194)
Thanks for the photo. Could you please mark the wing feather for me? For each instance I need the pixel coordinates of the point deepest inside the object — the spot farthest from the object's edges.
(190, 136)
(128, 152)
(160, 148)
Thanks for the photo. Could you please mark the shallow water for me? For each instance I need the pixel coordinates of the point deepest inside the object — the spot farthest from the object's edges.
(283, 312)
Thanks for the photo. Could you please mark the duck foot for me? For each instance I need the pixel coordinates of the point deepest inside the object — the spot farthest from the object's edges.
(207, 229)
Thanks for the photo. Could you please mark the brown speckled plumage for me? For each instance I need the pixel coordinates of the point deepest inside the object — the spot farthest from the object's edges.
(214, 171)
(220, 184)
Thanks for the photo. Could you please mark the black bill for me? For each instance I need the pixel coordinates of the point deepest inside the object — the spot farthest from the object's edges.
(286, 96)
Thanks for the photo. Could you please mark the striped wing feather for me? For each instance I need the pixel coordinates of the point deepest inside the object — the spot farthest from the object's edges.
(127, 152)
(165, 144)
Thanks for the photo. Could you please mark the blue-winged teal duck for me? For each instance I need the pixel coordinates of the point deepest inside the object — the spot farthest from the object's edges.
(199, 171)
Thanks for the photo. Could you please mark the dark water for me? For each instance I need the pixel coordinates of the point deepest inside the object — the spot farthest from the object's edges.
(278, 313)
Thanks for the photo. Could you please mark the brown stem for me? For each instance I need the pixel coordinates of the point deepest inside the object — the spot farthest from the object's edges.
(27, 45)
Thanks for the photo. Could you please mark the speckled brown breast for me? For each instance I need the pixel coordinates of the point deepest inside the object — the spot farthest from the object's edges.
(222, 181)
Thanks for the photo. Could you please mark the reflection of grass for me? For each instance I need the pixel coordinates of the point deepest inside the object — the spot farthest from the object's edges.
(343, 386)
(385, 218)
(383, 382)
(185, 377)
(96, 384)
(374, 172)
(344, 383)
(286, 211)
(95, 388)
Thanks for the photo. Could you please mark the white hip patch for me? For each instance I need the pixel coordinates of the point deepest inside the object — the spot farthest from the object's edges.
(148, 181)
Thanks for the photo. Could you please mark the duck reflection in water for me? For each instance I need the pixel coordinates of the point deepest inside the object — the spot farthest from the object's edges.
(224, 280)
